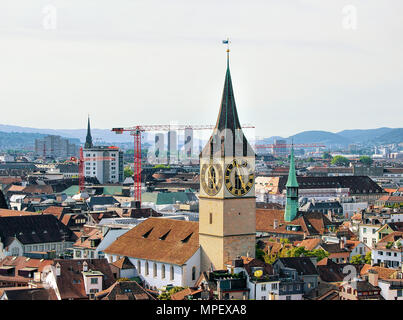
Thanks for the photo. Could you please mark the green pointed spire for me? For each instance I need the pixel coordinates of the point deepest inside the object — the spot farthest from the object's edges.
(292, 176)
(291, 206)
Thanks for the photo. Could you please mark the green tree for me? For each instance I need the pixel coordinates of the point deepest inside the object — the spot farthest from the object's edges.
(327, 155)
(310, 159)
(128, 172)
(366, 160)
(357, 259)
(367, 258)
(340, 160)
(161, 166)
(301, 251)
(260, 254)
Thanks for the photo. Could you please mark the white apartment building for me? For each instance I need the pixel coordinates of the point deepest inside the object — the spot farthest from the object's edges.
(105, 163)
(367, 233)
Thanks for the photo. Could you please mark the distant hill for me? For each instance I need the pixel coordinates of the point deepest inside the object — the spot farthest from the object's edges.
(364, 135)
(105, 135)
(18, 140)
(26, 135)
(393, 136)
(322, 137)
(23, 140)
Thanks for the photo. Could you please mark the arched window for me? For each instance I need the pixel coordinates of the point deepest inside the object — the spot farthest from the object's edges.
(163, 271)
(172, 273)
(139, 266)
(194, 273)
(147, 271)
(155, 269)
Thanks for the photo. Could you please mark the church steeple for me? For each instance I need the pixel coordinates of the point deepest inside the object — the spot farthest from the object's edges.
(228, 129)
(88, 139)
(291, 207)
(228, 115)
(227, 202)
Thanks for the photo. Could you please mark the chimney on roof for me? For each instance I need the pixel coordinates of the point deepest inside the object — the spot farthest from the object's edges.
(329, 215)
(85, 266)
(237, 262)
(373, 277)
(58, 270)
(342, 242)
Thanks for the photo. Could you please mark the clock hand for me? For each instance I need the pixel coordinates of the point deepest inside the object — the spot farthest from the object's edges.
(210, 177)
(239, 175)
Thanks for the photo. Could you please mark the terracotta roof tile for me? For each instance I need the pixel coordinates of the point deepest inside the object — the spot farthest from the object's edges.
(165, 240)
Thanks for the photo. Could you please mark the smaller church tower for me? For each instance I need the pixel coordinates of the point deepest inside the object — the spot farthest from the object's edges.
(88, 139)
(291, 206)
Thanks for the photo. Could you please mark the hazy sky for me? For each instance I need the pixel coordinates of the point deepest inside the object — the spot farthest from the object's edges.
(294, 65)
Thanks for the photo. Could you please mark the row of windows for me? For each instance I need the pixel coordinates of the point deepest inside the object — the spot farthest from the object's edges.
(79, 254)
(273, 286)
(389, 254)
(155, 270)
(43, 247)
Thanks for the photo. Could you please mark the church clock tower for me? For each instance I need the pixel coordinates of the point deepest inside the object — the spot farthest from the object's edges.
(227, 204)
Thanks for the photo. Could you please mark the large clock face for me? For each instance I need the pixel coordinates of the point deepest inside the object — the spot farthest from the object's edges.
(211, 178)
(239, 177)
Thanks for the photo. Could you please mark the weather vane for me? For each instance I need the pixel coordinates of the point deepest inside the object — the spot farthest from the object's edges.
(227, 42)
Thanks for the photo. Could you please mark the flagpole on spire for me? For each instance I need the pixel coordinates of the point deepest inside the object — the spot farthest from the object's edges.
(227, 42)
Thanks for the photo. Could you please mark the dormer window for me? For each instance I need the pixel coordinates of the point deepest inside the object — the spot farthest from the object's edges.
(147, 233)
(163, 237)
(186, 239)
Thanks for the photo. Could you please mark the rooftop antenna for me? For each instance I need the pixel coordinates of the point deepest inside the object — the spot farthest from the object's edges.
(227, 42)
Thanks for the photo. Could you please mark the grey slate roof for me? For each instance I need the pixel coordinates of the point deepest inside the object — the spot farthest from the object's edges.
(303, 265)
(34, 229)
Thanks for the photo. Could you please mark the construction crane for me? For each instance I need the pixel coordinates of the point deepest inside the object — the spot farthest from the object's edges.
(136, 133)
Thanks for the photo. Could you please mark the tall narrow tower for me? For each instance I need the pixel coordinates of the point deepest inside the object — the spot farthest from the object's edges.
(291, 206)
(227, 204)
(88, 139)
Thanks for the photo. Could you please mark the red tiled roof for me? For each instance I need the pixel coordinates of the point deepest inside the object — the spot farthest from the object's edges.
(310, 244)
(91, 235)
(181, 295)
(165, 240)
(383, 273)
(15, 213)
(56, 211)
(70, 283)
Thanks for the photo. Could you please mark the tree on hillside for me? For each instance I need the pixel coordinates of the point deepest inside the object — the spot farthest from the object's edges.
(340, 161)
(327, 155)
(366, 160)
